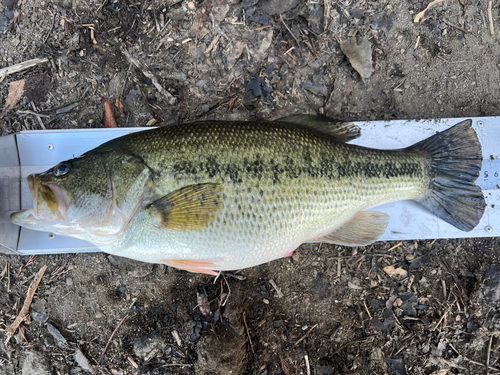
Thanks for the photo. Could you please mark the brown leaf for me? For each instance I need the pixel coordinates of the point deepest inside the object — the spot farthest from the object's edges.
(119, 104)
(16, 90)
(109, 117)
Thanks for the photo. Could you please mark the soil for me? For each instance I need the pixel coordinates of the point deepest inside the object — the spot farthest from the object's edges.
(327, 309)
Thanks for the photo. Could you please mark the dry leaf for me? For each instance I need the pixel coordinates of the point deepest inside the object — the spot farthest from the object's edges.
(419, 16)
(398, 273)
(119, 104)
(109, 117)
(359, 55)
(16, 90)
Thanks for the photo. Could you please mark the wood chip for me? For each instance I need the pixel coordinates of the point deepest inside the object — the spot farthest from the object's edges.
(177, 338)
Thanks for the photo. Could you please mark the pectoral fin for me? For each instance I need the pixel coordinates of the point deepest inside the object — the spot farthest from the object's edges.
(363, 229)
(190, 208)
(191, 265)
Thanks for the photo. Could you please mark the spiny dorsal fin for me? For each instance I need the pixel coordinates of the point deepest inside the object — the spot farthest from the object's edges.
(363, 229)
(192, 207)
(341, 131)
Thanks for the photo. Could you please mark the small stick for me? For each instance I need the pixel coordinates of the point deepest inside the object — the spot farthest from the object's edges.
(11, 329)
(248, 333)
(488, 355)
(395, 246)
(113, 334)
(456, 27)
(366, 308)
(171, 99)
(278, 290)
(303, 337)
(51, 28)
(308, 368)
(38, 117)
(32, 113)
(290, 31)
(262, 28)
(441, 319)
(444, 288)
(490, 17)
(4, 72)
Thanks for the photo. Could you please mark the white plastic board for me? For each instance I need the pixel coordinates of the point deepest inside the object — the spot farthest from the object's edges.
(40, 150)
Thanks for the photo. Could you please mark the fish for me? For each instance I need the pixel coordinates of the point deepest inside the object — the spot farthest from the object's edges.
(218, 196)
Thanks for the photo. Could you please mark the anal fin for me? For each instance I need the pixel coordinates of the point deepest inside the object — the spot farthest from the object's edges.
(363, 229)
(191, 265)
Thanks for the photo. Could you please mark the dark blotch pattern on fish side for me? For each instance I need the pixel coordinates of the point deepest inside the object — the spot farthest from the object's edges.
(325, 167)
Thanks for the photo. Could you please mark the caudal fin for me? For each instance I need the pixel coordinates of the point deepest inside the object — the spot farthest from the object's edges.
(456, 162)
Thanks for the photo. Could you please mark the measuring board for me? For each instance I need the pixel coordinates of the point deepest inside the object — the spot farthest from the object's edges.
(35, 151)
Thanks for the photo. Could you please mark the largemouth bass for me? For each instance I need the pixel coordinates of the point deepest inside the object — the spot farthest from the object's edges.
(212, 196)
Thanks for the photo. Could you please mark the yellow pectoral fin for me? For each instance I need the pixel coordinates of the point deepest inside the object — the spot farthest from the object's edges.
(190, 208)
(191, 265)
(363, 229)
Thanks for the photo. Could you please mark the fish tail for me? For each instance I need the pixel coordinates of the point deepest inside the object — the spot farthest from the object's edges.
(456, 159)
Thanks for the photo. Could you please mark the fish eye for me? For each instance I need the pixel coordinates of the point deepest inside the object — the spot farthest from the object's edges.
(62, 168)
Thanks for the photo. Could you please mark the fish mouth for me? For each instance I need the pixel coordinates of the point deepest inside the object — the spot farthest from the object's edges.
(50, 204)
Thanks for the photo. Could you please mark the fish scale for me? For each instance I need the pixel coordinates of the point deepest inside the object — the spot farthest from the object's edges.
(229, 195)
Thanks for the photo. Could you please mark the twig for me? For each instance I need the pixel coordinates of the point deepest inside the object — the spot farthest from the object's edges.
(456, 27)
(113, 334)
(308, 368)
(11, 329)
(367, 311)
(290, 31)
(125, 80)
(4, 72)
(278, 290)
(248, 333)
(50, 30)
(27, 112)
(441, 319)
(171, 99)
(38, 117)
(490, 17)
(395, 246)
(303, 337)
(488, 355)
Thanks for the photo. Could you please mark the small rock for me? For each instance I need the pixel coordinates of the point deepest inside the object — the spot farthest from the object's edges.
(316, 88)
(278, 323)
(60, 340)
(35, 363)
(146, 345)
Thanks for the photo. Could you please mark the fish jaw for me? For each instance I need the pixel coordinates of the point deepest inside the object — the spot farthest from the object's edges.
(50, 206)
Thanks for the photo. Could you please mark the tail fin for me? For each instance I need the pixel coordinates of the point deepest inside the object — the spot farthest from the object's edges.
(456, 162)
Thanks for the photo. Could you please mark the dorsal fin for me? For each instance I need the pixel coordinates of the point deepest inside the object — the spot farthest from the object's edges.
(341, 131)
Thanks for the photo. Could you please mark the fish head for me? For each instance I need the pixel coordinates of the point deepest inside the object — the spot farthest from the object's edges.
(72, 198)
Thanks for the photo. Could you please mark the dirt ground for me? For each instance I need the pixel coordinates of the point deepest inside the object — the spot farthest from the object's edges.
(327, 309)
